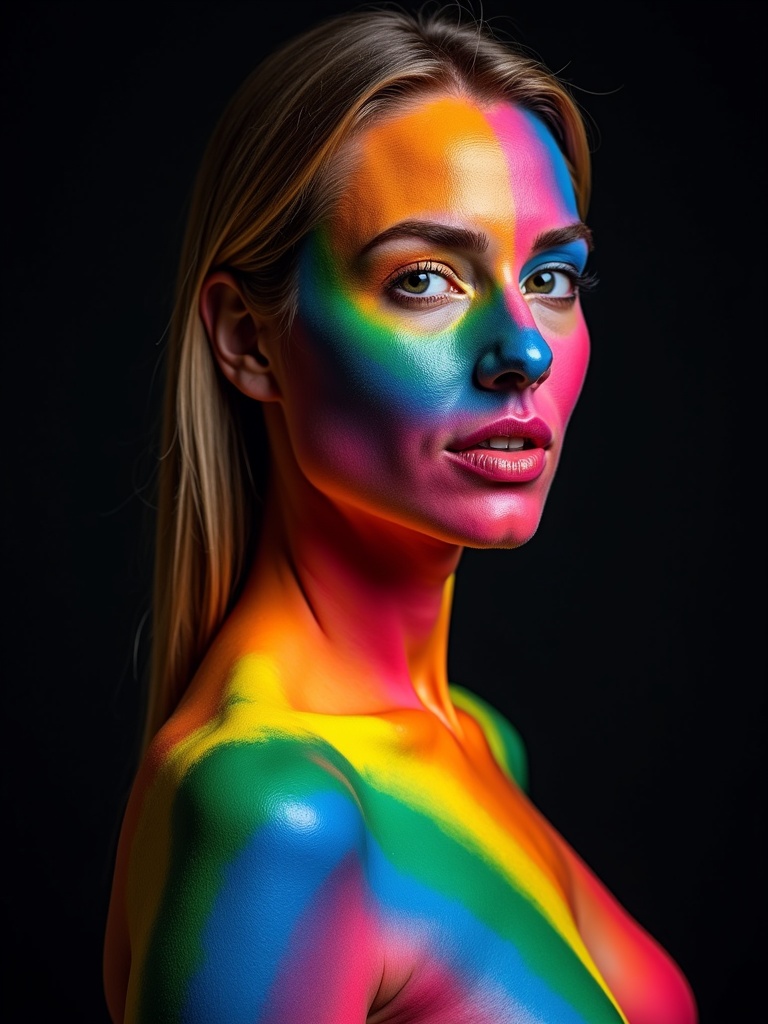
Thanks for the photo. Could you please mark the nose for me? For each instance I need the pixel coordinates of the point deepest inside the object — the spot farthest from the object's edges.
(516, 356)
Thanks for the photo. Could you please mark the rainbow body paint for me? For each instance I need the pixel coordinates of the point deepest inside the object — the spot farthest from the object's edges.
(325, 831)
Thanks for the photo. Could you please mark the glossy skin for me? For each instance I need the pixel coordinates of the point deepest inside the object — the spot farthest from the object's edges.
(325, 830)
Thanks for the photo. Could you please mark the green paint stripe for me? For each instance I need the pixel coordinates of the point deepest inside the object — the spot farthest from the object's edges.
(225, 799)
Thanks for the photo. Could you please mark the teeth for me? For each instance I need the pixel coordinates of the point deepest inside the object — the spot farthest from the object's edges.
(505, 443)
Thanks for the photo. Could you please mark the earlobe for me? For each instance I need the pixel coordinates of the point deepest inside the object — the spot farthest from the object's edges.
(240, 341)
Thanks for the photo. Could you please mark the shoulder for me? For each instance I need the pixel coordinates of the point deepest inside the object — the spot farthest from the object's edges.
(283, 791)
(504, 740)
(257, 831)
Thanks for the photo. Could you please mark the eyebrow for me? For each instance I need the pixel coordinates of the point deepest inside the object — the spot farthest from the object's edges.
(562, 236)
(440, 234)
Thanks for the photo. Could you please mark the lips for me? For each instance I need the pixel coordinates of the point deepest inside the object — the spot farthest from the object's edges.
(506, 435)
(509, 450)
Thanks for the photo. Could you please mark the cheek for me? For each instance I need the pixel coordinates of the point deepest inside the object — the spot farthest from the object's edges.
(569, 367)
(360, 396)
(368, 369)
(366, 360)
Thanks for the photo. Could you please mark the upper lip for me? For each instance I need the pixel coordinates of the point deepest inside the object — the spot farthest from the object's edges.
(534, 430)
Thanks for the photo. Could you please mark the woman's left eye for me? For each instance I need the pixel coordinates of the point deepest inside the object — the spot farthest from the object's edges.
(551, 283)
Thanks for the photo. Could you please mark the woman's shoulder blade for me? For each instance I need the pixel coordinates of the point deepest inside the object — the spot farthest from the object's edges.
(505, 741)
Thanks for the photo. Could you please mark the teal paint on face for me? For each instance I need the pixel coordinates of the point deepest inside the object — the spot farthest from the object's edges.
(507, 348)
(420, 372)
(379, 353)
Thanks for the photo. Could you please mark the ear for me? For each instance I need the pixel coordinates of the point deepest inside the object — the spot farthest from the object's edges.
(240, 340)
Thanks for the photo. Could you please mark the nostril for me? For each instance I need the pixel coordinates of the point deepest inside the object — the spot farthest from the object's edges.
(509, 379)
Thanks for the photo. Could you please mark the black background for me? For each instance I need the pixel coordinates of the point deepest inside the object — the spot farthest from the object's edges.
(625, 641)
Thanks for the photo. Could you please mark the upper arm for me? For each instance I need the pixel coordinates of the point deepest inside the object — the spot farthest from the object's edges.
(504, 740)
(261, 911)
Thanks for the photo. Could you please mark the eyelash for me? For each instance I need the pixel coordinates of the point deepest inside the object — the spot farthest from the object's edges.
(421, 267)
(579, 282)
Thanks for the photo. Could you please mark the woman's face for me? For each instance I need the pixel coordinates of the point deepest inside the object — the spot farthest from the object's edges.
(439, 346)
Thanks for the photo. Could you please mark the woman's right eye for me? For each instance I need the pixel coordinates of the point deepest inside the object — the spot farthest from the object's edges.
(423, 284)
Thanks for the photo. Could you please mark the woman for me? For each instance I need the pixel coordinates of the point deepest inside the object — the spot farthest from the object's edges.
(378, 301)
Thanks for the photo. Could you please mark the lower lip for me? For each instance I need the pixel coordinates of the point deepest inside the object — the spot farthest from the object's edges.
(502, 467)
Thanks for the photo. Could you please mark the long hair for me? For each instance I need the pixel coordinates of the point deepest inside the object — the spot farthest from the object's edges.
(264, 183)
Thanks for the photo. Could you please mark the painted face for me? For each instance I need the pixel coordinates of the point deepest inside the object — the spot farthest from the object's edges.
(439, 347)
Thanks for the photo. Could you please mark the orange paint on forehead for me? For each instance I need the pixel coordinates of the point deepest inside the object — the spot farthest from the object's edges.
(441, 160)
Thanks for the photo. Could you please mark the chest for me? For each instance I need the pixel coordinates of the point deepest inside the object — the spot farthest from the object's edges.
(471, 933)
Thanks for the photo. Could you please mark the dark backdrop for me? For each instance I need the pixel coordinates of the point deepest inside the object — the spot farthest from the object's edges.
(625, 641)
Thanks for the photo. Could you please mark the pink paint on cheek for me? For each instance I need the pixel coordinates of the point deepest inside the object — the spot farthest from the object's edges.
(561, 391)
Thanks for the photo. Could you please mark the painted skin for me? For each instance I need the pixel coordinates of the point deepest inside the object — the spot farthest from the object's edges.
(326, 831)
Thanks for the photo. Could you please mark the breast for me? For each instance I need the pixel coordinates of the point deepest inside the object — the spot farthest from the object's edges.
(470, 892)
(461, 940)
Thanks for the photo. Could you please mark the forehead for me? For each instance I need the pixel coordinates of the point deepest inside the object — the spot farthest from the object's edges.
(447, 158)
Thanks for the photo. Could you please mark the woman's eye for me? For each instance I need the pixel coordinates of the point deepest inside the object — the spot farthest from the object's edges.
(550, 283)
(423, 284)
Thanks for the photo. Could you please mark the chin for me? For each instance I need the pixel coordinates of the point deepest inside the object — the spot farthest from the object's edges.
(486, 528)
(503, 520)
(504, 540)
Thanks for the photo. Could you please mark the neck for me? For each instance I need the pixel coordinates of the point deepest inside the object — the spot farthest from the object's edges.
(357, 609)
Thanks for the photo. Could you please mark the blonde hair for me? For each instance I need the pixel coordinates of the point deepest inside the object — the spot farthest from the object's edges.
(263, 185)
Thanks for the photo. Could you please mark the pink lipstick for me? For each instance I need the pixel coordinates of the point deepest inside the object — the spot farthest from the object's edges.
(507, 450)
